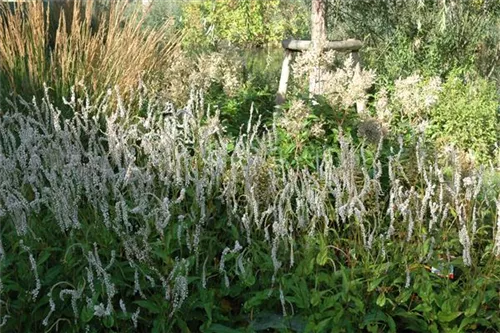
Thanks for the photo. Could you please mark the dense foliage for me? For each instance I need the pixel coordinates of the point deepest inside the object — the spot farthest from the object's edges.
(467, 114)
(242, 22)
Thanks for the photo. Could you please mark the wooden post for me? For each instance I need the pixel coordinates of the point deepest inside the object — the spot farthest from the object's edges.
(318, 38)
(285, 74)
(145, 5)
(292, 46)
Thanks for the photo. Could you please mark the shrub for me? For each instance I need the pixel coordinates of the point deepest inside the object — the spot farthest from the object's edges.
(428, 37)
(467, 115)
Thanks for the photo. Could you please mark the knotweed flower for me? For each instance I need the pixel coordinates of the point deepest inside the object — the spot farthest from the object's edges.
(4, 320)
(408, 278)
(123, 307)
(466, 244)
(52, 307)
(135, 316)
(293, 120)
(283, 303)
(497, 236)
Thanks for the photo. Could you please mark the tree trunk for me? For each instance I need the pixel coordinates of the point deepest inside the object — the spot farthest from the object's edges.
(318, 38)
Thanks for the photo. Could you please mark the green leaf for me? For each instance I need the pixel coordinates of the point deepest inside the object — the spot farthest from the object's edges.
(374, 284)
(472, 323)
(207, 298)
(43, 257)
(301, 296)
(323, 325)
(447, 317)
(218, 328)
(424, 308)
(412, 322)
(52, 274)
(472, 308)
(427, 245)
(267, 320)
(256, 300)
(87, 314)
(322, 257)
(359, 305)
(315, 298)
(378, 317)
(108, 321)
(182, 324)
(249, 279)
(150, 306)
(208, 310)
(448, 305)
(305, 267)
(392, 324)
(381, 300)
(158, 326)
(331, 302)
(433, 328)
(345, 284)
(404, 296)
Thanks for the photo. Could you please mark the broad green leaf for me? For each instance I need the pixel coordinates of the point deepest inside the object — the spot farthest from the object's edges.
(374, 284)
(267, 320)
(379, 317)
(301, 296)
(473, 323)
(447, 317)
(404, 296)
(44, 256)
(249, 279)
(108, 321)
(412, 321)
(323, 325)
(218, 328)
(322, 257)
(182, 324)
(330, 302)
(315, 298)
(424, 308)
(381, 300)
(87, 314)
(150, 306)
(472, 308)
(256, 300)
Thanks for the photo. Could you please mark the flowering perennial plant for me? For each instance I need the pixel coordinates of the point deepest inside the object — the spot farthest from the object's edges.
(145, 197)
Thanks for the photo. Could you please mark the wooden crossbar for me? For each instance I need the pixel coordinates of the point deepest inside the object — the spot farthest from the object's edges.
(293, 45)
(352, 45)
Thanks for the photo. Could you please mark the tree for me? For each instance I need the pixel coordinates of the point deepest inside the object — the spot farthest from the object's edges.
(246, 23)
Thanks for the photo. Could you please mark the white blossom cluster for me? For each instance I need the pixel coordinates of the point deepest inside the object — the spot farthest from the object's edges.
(139, 177)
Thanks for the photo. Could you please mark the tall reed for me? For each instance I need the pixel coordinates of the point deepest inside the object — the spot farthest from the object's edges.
(63, 44)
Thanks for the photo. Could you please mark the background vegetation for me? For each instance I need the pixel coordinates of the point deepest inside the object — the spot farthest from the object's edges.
(148, 182)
